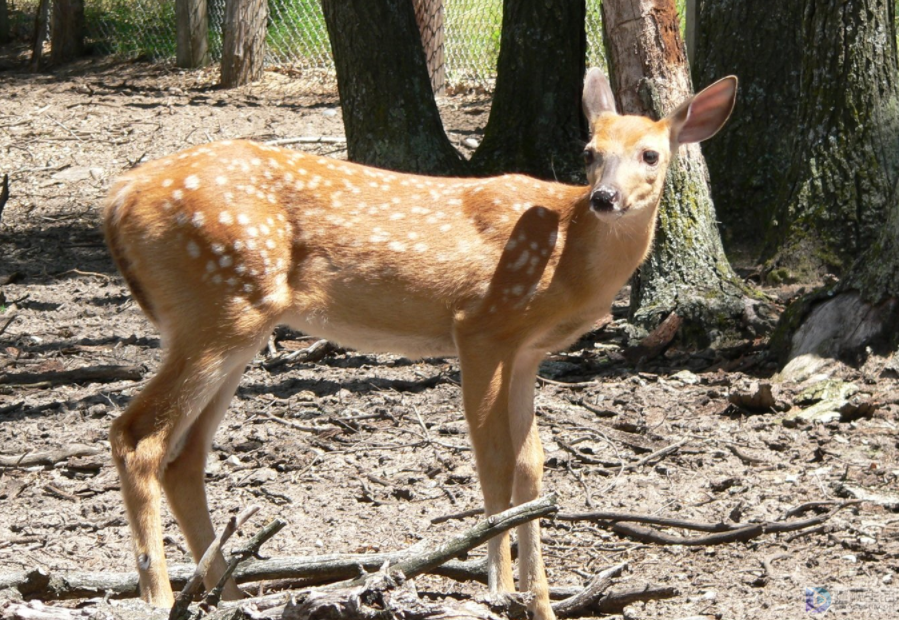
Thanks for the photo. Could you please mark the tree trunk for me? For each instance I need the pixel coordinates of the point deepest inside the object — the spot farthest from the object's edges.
(429, 16)
(851, 173)
(243, 44)
(41, 29)
(845, 156)
(389, 113)
(687, 272)
(690, 31)
(67, 33)
(4, 23)
(192, 25)
(535, 123)
(748, 162)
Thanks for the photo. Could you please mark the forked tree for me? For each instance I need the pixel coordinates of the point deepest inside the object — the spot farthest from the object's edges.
(534, 125)
(389, 113)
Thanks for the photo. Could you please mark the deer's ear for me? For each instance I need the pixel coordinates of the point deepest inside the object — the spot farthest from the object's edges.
(701, 117)
(598, 97)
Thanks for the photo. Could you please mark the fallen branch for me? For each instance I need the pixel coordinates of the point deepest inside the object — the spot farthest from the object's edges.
(88, 374)
(40, 584)
(315, 352)
(192, 587)
(7, 318)
(649, 458)
(308, 140)
(721, 532)
(588, 597)
(48, 458)
(251, 549)
(475, 536)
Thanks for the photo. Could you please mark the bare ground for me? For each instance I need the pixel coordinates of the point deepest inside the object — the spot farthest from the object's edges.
(383, 448)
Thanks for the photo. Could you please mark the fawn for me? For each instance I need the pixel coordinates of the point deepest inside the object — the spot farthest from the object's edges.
(221, 243)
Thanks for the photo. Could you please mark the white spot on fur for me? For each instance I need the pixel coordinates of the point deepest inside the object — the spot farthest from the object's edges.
(520, 262)
(192, 182)
(225, 218)
(193, 249)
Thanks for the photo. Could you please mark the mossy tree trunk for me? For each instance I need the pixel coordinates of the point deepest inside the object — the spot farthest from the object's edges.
(845, 152)
(243, 43)
(535, 123)
(687, 271)
(389, 113)
(192, 29)
(748, 163)
(845, 203)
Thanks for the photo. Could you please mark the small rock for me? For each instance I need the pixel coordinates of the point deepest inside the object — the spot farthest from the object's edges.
(70, 175)
(866, 540)
(687, 377)
(329, 112)
(850, 558)
(887, 579)
(233, 461)
(471, 143)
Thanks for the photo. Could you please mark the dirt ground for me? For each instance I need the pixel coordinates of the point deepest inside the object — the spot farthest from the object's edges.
(374, 447)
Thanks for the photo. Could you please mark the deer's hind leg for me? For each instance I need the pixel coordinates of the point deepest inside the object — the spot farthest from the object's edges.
(162, 439)
(184, 484)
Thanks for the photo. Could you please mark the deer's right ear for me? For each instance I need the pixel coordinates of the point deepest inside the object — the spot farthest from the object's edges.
(598, 97)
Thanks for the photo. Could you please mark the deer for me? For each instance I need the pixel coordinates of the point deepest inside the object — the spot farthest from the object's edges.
(220, 243)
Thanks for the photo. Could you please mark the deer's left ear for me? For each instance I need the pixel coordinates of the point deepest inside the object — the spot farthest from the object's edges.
(701, 117)
(598, 97)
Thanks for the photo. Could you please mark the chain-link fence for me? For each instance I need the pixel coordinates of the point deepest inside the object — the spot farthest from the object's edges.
(297, 36)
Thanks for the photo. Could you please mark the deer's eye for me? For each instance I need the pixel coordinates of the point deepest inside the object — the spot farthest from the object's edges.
(589, 156)
(650, 158)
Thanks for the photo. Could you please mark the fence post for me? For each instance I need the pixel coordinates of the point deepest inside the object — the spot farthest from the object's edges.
(192, 27)
(429, 15)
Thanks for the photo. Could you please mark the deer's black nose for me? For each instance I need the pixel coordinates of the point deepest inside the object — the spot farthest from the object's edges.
(604, 198)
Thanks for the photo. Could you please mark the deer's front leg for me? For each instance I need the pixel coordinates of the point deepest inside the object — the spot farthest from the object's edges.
(498, 390)
(485, 389)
